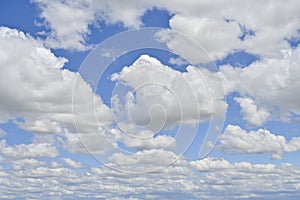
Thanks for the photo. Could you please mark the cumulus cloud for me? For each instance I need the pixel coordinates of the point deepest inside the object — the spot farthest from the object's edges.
(27, 163)
(41, 92)
(72, 31)
(154, 157)
(209, 39)
(235, 181)
(272, 84)
(235, 139)
(73, 164)
(204, 21)
(252, 114)
(151, 142)
(165, 97)
(21, 151)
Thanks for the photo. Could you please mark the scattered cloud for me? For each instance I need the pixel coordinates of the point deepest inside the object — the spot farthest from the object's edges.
(201, 179)
(236, 140)
(22, 151)
(270, 83)
(73, 164)
(252, 114)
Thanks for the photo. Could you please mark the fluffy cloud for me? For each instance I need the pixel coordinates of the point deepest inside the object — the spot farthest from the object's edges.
(41, 93)
(226, 180)
(97, 142)
(165, 97)
(73, 164)
(21, 151)
(271, 83)
(154, 157)
(263, 18)
(71, 31)
(151, 142)
(252, 114)
(209, 39)
(27, 163)
(235, 139)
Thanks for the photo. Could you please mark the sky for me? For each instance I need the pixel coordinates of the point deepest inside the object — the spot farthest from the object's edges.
(149, 99)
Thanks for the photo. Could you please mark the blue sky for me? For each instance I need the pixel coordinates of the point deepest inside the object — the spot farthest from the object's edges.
(149, 100)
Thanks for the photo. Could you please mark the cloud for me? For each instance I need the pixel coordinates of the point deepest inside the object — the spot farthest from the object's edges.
(22, 151)
(27, 163)
(252, 114)
(73, 164)
(270, 83)
(225, 180)
(164, 97)
(154, 157)
(234, 139)
(97, 142)
(41, 92)
(211, 29)
(71, 31)
(151, 142)
(211, 39)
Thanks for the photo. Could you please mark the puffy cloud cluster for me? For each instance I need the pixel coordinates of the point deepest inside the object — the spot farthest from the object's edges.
(268, 87)
(235, 139)
(35, 88)
(202, 179)
(22, 151)
(220, 26)
(165, 97)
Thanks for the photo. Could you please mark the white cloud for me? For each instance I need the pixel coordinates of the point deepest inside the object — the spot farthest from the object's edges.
(22, 151)
(151, 142)
(97, 142)
(72, 31)
(259, 17)
(210, 39)
(27, 163)
(41, 92)
(271, 83)
(73, 164)
(230, 181)
(203, 17)
(165, 97)
(154, 157)
(234, 139)
(252, 114)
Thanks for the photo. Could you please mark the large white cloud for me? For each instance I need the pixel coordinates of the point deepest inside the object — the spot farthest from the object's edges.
(270, 86)
(209, 39)
(264, 18)
(35, 89)
(236, 140)
(165, 97)
(72, 31)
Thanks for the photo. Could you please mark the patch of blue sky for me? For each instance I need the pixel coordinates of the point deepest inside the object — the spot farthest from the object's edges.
(239, 58)
(294, 41)
(15, 134)
(21, 15)
(156, 18)
(246, 32)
